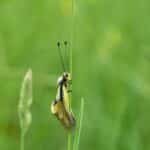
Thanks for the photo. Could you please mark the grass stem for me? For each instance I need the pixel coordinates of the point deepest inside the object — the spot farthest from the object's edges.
(22, 139)
(79, 128)
(69, 141)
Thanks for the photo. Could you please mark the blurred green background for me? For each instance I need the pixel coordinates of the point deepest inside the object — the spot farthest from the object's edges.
(111, 70)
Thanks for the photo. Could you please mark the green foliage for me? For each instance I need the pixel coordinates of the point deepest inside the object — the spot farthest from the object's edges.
(111, 62)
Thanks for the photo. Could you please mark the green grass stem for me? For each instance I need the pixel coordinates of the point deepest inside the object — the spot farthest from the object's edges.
(79, 128)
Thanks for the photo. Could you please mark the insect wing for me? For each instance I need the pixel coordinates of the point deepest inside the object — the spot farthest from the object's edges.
(58, 109)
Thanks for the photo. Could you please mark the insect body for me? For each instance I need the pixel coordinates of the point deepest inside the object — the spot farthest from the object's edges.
(60, 107)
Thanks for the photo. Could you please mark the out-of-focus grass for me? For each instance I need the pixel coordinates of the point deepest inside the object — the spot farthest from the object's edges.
(111, 60)
(25, 102)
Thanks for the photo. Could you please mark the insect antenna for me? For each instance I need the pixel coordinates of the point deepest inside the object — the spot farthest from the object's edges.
(66, 53)
(61, 57)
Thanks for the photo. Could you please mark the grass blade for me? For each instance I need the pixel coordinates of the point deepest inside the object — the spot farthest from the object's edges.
(78, 130)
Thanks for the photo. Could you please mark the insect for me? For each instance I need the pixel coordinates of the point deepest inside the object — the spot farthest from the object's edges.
(60, 107)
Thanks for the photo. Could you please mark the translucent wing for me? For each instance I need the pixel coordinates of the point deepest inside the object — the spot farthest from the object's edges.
(66, 118)
(66, 98)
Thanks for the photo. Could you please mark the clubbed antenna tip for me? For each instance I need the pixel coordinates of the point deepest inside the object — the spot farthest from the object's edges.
(65, 43)
(58, 44)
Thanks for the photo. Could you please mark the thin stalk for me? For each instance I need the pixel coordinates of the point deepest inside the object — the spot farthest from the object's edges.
(78, 131)
(72, 34)
(71, 72)
(69, 141)
(22, 139)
